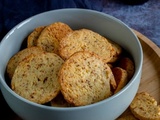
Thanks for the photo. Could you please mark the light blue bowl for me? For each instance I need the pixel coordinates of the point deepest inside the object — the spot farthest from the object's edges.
(106, 25)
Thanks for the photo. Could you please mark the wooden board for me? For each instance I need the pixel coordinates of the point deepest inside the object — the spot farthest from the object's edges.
(150, 81)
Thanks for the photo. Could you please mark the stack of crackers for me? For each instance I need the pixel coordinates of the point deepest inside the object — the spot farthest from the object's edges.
(69, 68)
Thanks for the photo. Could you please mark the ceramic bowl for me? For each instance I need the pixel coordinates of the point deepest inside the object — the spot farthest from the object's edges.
(106, 25)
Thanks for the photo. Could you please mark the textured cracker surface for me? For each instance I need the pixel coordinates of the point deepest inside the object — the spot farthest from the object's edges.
(85, 79)
(19, 56)
(127, 64)
(145, 107)
(85, 40)
(33, 36)
(121, 77)
(36, 78)
(51, 35)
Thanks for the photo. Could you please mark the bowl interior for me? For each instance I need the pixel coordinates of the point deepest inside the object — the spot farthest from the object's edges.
(104, 24)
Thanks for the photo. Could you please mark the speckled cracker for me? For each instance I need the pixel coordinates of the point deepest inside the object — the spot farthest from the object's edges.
(127, 64)
(121, 77)
(36, 77)
(85, 79)
(51, 35)
(33, 36)
(85, 40)
(116, 51)
(19, 56)
(144, 107)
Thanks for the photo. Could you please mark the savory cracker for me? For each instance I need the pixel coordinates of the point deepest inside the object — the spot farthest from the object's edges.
(116, 51)
(85, 40)
(33, 36)
(19, 56)
(121, 78)
(127, 64)
(144, 107)
(51, 36)
(36, 77)
(85, 79)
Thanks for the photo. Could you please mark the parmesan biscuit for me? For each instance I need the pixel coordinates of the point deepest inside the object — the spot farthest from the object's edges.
(33, 36)
(36, 77)
(116, 51)
(51, 35)
(19, 56)
(127, 64)
(144, 107)
(85, 40)
(85, 79)
(121, 78)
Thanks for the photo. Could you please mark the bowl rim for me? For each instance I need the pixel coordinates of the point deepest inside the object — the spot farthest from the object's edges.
(137, 70)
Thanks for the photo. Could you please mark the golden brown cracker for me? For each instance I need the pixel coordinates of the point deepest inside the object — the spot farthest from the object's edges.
(36, 77)
(33, 36)
(127, 64)
(85, 79)
(85, 40)
(121, 77)
(51, 35)
(144, 107)
(19, 56)
(116, 51)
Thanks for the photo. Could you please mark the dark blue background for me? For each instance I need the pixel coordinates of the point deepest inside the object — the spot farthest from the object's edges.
(145, 18)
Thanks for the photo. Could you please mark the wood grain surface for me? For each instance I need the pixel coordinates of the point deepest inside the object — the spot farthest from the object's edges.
(150, 81)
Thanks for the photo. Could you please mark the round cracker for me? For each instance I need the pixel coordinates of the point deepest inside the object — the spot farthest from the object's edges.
(85, 40)
(85, 79)
(19, 56)
(121, 78)
(33, 36)
(127, 64)
(144, 107)
(116, 51)
(36, 77)
(51, 35)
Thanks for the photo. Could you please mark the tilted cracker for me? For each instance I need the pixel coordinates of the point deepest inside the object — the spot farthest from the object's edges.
(85, 40)
(19, 56)
(116, 51)
(51, 36)
(121, 77)
(144, 107)
(33, 36)
(85, 79)
(36, 77)
(127, 64)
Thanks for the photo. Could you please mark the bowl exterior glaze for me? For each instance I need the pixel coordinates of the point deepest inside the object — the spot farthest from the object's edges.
(104, 24)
